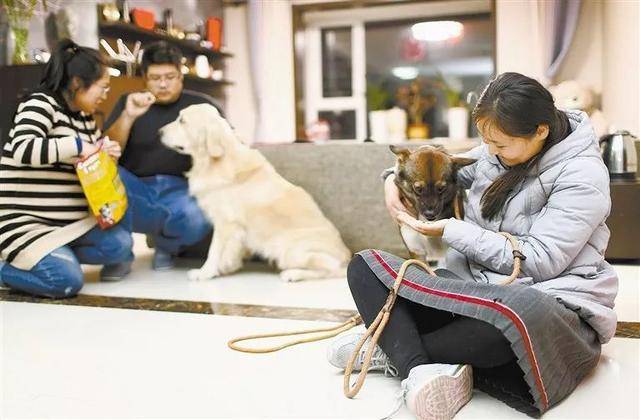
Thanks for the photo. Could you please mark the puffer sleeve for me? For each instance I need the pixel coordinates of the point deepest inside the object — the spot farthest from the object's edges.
(578, 203)
(467, 174)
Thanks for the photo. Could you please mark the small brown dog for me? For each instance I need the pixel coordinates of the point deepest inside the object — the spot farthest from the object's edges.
(426, 179)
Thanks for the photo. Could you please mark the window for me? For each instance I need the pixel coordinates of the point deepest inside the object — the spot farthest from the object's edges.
(336, 62)
(342, 124)
(395, 58)
(345, 52)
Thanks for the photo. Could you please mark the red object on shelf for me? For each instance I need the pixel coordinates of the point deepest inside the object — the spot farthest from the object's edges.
(143, 18)
(214, 32)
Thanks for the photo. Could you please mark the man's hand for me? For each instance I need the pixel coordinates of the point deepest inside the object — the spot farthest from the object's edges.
(393, 200)
(138, 103)
(426, 228)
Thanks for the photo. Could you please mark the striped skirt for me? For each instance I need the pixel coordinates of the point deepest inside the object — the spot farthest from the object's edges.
(554, 348)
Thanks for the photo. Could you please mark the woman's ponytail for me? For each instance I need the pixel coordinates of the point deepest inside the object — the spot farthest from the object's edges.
(55, 73)
(70, 60)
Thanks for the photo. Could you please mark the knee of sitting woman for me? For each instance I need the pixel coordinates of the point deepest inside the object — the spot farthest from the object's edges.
(66, 282)
(356, 271)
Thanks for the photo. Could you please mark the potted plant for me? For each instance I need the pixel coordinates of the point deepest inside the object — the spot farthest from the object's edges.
(416, 101)
(19, 14)
(377, 98)
(457, 113)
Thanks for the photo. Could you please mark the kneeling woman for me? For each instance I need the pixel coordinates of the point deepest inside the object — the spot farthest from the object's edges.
(540, 177)
(45, 228)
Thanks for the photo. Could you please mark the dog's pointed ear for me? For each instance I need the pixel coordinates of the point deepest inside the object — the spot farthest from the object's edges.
(460, 162)
(402, 152)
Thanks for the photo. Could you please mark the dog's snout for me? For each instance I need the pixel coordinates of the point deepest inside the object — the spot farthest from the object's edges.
(430, 215)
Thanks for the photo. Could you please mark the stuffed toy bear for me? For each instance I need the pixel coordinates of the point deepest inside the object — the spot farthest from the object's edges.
(572, 95)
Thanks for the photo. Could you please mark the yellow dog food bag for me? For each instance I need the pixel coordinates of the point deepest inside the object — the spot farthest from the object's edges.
(103, 188)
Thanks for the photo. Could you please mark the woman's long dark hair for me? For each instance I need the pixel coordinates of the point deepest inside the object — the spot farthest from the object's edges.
(70, 60)
(516, 105)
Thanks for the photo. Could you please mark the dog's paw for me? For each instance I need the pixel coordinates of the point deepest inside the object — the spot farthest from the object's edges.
(198, 274)
(293, 275)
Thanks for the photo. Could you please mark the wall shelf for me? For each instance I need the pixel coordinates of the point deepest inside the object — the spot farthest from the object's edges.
(189, 78)
(130, 32)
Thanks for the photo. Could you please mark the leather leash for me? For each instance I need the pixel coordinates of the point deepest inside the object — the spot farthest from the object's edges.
(377, 326)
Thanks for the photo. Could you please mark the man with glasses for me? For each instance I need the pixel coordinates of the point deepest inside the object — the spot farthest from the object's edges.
(151, 169)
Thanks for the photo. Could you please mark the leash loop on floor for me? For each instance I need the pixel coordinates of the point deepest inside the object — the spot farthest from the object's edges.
(330, 332)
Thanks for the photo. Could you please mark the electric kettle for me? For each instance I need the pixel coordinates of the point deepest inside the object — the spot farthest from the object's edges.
(619, 154)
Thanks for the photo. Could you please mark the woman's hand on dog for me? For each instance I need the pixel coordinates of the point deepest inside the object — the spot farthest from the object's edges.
(426, 228)
(393, 200)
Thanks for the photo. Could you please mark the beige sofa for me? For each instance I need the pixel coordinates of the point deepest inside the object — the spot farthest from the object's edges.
(345, 181)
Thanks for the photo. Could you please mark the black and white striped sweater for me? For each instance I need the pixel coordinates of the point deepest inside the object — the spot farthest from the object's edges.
(42, 206)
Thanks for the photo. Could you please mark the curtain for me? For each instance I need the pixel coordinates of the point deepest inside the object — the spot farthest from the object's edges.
(557, 23)
(271, 62)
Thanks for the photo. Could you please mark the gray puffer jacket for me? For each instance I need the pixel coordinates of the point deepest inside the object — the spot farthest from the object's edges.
(557, 214)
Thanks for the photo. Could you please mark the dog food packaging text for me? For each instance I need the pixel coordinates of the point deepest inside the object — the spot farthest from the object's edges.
(103, 188)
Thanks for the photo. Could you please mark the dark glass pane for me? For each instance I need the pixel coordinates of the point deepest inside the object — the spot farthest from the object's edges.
(342, 124)
(336, 62)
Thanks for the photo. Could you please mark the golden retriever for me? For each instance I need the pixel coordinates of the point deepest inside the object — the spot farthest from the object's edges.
(253, 209)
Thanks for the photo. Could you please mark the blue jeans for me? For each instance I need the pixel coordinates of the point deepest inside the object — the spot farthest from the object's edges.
(162, 208)
(159, 206)
(59, 275)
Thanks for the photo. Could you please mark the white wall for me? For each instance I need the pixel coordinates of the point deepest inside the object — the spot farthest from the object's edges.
(85, 15)
(584, 60)
(274, 76)
(240, 101)
(518, 50)
(621, 64)
(604, 54)
(516, 47)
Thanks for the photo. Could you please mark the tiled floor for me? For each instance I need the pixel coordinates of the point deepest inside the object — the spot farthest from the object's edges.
(62, 361)
(75, 362)
(257, 284)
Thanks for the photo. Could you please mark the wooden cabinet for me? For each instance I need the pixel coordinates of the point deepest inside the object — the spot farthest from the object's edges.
(624, 221)
(15, 81)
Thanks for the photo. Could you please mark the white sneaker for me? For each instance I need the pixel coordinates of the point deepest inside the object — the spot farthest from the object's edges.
(437, 391)
(340, 351)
